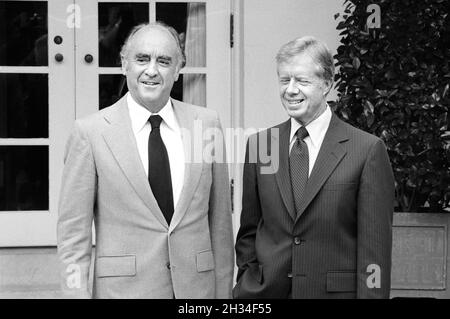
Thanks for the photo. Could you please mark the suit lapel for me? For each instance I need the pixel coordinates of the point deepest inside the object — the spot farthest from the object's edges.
(122, 143)
(283, 175)
(192, 171)
(330, 154)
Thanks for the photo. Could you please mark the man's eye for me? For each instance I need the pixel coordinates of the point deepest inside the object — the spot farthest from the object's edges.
(142, 60)
(164, 62)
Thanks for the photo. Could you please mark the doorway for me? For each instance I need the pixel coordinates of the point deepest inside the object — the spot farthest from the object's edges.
(59, 62)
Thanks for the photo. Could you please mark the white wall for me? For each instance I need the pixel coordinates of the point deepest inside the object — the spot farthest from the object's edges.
(266, 25)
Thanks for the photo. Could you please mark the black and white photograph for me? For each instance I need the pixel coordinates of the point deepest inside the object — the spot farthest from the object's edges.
(224, 154)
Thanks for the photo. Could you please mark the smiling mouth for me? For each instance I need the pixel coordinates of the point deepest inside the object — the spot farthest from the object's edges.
(150, 83)
(294, 102)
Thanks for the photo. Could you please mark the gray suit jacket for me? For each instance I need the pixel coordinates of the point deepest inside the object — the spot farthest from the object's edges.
(138, 255)
(329, 247)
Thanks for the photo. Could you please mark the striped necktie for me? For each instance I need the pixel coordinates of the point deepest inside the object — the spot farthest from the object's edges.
(299, 166)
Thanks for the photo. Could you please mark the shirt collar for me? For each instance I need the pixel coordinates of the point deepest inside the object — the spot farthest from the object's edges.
(139, 115)
(316, 129)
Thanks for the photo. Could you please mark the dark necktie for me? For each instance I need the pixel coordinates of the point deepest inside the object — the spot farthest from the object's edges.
(159, 169)
(299, 166)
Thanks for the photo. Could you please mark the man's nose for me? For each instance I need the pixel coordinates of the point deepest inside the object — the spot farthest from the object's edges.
(151, 69)
(292, 88)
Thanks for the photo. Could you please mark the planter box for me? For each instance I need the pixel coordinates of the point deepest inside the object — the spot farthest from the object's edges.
(420, 255)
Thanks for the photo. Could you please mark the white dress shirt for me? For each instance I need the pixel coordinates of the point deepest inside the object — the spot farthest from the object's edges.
(170, 134)
(316, 130)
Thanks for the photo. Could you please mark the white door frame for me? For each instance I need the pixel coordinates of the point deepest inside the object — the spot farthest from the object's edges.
(38, 228)
(73, 93)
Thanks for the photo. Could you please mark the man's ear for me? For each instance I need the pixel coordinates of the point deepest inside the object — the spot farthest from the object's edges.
(124, 65)
(177, 72)
(328, 86)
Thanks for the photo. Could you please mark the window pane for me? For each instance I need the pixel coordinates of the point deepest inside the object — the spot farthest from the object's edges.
(23, 33)
(111, 88)
(23, 178)
(190, 88)
(23, 105)
(115, 21)
(189, 19)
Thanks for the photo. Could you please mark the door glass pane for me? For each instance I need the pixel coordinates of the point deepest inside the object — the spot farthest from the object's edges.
(115, 21)
(23, 105)
(189, 19)
(190, 88)
(23, 33)
(23, 178)
(111, 88)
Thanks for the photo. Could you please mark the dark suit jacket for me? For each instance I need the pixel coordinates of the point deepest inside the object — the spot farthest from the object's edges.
(343, 226)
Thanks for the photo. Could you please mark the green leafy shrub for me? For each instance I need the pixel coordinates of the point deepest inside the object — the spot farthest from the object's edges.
(394, 83)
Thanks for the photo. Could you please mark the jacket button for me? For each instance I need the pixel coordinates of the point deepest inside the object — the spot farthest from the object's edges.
(290, 275)
(297, 241)
(168, 266)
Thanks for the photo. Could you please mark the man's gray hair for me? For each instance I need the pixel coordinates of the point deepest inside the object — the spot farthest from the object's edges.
(171, 30)
(315, 48)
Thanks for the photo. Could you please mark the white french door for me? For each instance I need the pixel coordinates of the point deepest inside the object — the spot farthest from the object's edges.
(58, 62)
(37, 103)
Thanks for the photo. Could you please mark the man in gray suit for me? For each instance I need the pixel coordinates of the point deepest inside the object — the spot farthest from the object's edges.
(163, 221)
(320, 226)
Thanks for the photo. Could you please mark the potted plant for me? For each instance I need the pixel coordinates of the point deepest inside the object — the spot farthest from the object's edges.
(393, 81)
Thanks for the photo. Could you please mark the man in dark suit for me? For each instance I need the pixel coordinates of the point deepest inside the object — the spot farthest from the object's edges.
(320, 226)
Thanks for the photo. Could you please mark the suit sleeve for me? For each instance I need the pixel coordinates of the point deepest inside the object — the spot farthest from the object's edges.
(220, 221)
(75, 215)
(375, 214)
(251, 212)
